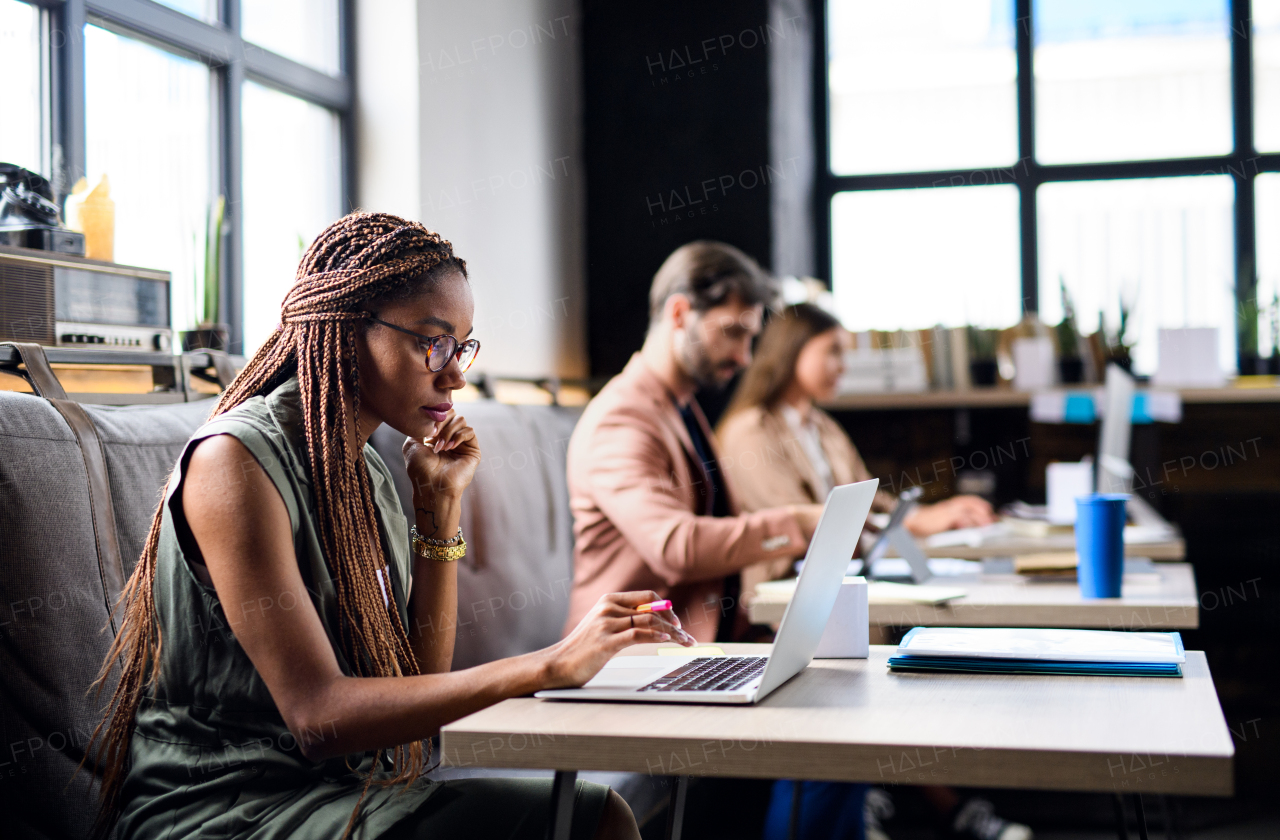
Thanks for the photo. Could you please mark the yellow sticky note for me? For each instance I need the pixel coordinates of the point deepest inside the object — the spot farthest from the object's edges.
(700, 650)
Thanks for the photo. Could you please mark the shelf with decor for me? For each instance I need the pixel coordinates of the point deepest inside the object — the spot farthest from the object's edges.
(124, 377)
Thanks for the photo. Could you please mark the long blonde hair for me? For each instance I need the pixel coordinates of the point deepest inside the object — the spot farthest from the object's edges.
(774, 364)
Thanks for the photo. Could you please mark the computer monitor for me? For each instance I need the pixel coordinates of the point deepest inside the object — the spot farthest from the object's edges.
(895, 534)
(1114, 473)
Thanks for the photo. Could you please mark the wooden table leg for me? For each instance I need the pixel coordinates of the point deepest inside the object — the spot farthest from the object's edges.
(675, 812)
(1122, 828)
(562, 794)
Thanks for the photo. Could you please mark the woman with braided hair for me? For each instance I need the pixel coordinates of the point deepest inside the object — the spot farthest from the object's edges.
(284, 651)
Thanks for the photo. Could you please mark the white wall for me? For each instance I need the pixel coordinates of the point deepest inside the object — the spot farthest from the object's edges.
(387, 106)
(495, 106)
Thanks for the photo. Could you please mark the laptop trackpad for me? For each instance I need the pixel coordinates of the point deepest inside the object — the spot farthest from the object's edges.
(633, 671)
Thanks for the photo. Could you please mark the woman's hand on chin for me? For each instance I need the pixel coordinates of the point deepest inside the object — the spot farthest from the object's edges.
(612, 624)
(444, 462)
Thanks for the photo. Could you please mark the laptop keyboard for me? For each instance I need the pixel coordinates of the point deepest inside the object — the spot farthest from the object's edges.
(711, 673)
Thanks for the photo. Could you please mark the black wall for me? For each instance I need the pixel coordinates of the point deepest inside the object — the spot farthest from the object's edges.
(676, 113)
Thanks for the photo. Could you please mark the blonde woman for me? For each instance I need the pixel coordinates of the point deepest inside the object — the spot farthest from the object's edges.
(779, 448)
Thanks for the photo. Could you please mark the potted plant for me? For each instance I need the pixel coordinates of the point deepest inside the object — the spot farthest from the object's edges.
(982, 355)
(1250, 364)
(1273, 316)
(1070, 365)
(208, 333)
(1119, 345)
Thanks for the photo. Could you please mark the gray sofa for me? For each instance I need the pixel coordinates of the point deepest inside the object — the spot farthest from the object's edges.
(58, 573)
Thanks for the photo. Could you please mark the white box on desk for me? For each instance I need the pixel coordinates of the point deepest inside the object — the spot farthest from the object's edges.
(1064, 482)
(848, 633)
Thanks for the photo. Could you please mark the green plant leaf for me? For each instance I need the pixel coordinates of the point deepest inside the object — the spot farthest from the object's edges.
(213, 261)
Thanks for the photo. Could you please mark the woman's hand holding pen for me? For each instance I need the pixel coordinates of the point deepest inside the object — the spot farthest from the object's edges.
(614, 623)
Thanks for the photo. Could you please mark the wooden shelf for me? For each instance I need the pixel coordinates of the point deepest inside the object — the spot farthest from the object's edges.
(974, 398)
(1008, 398)
(110, 376)
(74, 355)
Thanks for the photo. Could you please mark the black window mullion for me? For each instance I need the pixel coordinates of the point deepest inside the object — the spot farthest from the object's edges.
(163, 25)
(231, 153)
(825, 186)
(1246, 161)
(295, 79)
(1026, 172)
(68, 129)
(346, 117)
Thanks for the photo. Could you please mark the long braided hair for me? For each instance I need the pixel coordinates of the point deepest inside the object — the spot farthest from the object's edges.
(361, 258)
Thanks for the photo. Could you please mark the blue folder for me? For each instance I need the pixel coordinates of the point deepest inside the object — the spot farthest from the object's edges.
(994, 650)
(1034, 666)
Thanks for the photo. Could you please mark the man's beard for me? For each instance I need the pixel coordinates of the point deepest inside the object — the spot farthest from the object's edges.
(703, 370)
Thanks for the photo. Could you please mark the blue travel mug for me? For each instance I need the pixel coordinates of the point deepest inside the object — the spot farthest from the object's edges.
(1100, 544)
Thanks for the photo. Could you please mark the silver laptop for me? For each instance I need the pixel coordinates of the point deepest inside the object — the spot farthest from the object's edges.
(746, 679)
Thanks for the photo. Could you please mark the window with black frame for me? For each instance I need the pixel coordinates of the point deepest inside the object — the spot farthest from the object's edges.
(25, 127)
(985, 154)
(223, 142)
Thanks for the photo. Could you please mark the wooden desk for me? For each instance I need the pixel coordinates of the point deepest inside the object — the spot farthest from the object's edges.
(854, 720)
(1169, 603)
(1174, 549)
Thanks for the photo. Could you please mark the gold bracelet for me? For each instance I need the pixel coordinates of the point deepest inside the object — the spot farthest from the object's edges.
(444, 551)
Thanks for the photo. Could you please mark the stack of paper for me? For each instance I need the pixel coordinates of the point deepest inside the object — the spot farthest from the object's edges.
(997, 650)
(878, 592)
(1049, 565)
(884, 592)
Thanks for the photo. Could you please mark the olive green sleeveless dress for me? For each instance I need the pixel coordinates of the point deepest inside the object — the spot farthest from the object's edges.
(211, 755)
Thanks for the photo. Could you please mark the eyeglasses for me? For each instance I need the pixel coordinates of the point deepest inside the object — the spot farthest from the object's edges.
(440, 348)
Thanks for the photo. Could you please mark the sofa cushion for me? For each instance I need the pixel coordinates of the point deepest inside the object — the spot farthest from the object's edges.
(141, 445)
(54, 629)
(513, 585)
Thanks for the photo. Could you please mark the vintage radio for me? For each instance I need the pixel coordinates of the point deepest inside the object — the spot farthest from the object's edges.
(66, 301)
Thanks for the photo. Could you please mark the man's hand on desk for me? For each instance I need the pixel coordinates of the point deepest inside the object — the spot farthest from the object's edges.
(956, 512)
(807, 516)
(613, 624)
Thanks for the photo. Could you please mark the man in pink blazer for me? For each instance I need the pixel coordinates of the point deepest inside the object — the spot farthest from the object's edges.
(651, 508)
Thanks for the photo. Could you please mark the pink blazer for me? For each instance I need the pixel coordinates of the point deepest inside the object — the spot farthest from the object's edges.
(638, 512)
(769, 467)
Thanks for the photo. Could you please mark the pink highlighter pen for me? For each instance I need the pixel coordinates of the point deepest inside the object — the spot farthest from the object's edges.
(654, 606)
(665, 606)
